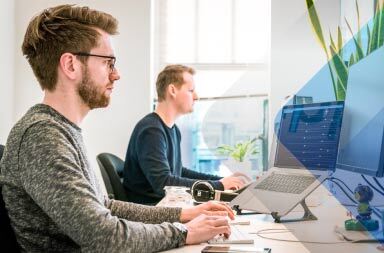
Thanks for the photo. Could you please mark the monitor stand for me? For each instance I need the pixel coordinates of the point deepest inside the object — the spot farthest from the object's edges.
(308, 215)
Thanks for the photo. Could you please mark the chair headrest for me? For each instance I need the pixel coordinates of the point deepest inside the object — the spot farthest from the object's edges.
(112, 160)
(1, 151)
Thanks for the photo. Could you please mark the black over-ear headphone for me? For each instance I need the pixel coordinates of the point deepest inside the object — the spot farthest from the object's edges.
(203, 191)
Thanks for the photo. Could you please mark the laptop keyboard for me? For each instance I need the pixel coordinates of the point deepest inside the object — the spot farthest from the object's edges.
(287, 183)
(236, 237)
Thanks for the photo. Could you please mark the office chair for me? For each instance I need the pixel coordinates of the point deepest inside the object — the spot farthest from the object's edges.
(7, 236)
(111, 168)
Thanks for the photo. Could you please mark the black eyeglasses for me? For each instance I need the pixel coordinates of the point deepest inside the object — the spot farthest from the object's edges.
(112, 59)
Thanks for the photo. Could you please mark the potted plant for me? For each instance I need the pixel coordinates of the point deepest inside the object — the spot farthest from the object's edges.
(341, 57)
(240, 151)
(239, 155)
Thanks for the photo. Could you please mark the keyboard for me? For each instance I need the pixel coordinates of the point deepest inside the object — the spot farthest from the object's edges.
(289, 183)
(236, 237)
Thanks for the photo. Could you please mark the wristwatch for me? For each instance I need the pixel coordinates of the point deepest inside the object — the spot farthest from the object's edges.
(182, 228)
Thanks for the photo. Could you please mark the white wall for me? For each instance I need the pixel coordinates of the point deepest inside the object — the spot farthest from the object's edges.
(7, 29)
(105, 130)
(295, 57)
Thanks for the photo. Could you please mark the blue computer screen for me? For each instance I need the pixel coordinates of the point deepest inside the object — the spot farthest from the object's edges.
(309, 135)
(362, 133)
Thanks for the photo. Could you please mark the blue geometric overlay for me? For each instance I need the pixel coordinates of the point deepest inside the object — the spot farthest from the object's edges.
(357, 157)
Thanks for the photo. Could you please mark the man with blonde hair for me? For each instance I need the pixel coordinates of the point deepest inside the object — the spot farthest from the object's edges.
(51, 194)
(153, 158)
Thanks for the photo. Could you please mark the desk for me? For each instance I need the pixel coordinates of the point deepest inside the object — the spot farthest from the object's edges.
(329, 214)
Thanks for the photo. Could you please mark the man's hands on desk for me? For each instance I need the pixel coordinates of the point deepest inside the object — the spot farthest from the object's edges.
(204, 228)
(210, 208)
(206, 221)
(235, 181)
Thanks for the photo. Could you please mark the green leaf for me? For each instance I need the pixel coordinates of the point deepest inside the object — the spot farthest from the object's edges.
(340, 91)
(375, 6)
(240, 150)
(224, 150)
(351, 60)
(369, 39)
(380, 36)
(316, 26)
(359, 48)
(334, 84)
(375, 30)
(332, 43)
(340, 41)
(358, 24)
(342, 73)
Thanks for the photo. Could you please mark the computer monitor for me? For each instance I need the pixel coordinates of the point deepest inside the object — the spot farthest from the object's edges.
(308, 136)
(362, 133)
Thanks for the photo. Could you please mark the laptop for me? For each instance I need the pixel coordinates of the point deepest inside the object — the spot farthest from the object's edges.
(304, 154)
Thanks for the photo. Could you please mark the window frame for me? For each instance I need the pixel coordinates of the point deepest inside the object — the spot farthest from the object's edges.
(159, 62)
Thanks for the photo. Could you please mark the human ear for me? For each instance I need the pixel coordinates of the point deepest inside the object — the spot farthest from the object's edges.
(172, 90)
(69, 65)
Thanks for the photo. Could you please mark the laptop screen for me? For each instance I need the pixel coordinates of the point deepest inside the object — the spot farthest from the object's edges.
(308, 136)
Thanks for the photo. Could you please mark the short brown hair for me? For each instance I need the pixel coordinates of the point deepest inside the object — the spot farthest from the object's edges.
(171, 74)
(58, 30)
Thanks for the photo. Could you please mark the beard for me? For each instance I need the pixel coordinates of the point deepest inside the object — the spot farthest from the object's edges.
(90, 93)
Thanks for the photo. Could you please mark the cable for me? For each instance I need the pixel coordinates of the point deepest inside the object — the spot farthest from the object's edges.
(335, 178)
(370, 184)
(378, 183)
(355, 205)
(349, 189)
(353, 200)
(346, 194)
(277, 230)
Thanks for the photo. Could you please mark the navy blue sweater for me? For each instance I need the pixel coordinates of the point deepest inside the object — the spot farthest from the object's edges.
(153, 160)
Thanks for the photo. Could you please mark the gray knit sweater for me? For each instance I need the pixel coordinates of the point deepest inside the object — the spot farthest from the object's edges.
(55, 203)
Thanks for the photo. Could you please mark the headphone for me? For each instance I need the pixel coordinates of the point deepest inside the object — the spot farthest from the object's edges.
(203, 191)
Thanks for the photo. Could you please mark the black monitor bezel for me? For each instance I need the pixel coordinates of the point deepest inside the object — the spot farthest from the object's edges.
(296, 106)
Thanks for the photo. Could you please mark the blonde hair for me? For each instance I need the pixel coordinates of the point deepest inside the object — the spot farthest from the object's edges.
(171, 74)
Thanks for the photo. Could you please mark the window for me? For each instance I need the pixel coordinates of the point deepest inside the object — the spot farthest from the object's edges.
(227, 42)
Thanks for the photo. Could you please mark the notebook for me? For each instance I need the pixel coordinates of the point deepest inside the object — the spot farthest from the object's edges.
(305, 152)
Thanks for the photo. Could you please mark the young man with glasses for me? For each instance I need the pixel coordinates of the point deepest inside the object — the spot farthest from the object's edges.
(153, 158)
(52, 196)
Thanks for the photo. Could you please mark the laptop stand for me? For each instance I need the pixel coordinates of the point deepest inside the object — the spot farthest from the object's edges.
(239, 211)
(308, 215)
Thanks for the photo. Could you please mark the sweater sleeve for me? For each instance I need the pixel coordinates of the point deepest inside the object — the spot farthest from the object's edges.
(53, 174)
(151, 152)
(214, 180)
(143, 213)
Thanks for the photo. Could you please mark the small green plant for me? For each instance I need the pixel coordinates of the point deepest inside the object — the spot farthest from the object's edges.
(338, 62)
(240, 151)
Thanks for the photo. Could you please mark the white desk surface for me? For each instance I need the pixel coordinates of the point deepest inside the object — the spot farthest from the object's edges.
(329, 213)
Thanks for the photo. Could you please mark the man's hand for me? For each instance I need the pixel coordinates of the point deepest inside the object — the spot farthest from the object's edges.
(235, 181)
(205, 227)
(239, 174)
(210, 208)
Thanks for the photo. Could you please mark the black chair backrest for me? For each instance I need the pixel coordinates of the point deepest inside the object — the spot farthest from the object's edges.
(112, 168)
(8, 238)
(1, 151)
